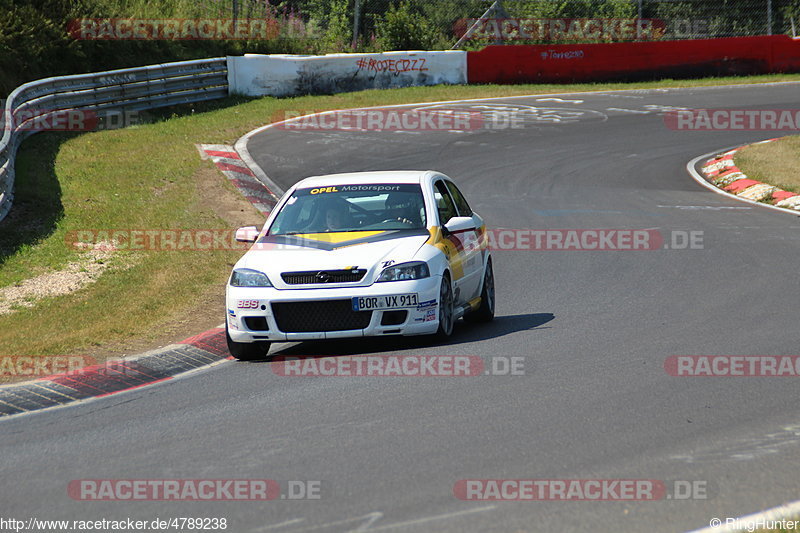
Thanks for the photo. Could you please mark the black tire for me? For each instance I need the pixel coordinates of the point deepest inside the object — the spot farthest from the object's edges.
(446, 312)
(247, 351)
(485, 312)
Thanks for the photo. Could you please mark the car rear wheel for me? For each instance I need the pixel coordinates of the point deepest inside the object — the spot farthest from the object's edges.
(445, 309)
(247, 351)
(485, 312)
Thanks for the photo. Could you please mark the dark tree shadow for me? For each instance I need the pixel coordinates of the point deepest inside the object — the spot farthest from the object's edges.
(37, 206)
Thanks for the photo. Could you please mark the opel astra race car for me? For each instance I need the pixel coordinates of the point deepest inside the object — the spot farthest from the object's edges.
(361, 254)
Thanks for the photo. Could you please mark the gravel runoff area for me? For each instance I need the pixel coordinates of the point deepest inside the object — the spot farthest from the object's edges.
(74, 276)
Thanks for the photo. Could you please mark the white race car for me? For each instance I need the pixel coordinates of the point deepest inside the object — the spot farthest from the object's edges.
(361, 254)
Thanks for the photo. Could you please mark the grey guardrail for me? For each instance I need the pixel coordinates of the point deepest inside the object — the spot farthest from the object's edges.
(123, 90)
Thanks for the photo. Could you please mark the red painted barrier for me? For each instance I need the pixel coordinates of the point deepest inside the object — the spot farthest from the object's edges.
(638, 60)
(785, 54)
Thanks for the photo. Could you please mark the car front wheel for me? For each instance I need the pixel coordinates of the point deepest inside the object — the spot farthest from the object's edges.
(445, 309)
(485, 312)
(247, 351)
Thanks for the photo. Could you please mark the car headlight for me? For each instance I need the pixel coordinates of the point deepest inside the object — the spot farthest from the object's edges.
(244, 277)
(405, 271)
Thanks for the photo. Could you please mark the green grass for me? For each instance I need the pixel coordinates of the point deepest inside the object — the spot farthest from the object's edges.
(775, 163)
(145, 178)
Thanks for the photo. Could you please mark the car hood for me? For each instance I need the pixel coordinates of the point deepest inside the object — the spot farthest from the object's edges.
(369, 250)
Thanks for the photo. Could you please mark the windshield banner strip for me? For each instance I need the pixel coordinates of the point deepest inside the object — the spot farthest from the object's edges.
(305, 242)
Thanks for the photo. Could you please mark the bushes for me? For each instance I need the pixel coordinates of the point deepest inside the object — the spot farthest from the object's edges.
(405, 28)
(35, 43)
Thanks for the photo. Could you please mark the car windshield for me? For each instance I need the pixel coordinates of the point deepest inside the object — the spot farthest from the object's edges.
(365, 207)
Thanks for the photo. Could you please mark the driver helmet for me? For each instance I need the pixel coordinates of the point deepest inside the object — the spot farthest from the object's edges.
(401, 206)
(335, 214)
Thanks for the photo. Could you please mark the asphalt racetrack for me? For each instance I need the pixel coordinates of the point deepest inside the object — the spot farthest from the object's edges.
(593, 329)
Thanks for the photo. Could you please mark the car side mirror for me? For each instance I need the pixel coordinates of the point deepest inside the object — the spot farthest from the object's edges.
(456, 224)
(247, 234)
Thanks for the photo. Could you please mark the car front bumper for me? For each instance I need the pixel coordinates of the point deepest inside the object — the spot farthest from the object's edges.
(251, 316)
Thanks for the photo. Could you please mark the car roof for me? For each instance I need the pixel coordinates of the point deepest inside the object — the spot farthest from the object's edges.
(358, 178)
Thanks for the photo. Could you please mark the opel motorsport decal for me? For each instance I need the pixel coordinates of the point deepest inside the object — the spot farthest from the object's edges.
(370, 188)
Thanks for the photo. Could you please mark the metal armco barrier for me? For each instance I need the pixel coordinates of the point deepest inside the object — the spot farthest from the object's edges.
(124, 90)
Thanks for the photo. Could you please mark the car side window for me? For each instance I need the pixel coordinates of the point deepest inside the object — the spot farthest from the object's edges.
(444, 203)
(464, 209)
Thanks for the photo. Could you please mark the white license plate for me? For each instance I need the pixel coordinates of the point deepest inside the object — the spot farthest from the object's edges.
(394, 301)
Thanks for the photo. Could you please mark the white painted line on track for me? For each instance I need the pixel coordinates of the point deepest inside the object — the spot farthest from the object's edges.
(241, 148)
(366, 521)
(559, 100)
(280, 525)
(623, 110)
(432, 518)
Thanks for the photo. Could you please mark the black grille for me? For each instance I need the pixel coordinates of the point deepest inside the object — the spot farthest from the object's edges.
(327, 315)
(323, 276)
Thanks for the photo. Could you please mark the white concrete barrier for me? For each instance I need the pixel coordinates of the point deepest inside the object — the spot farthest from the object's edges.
(288, 75)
